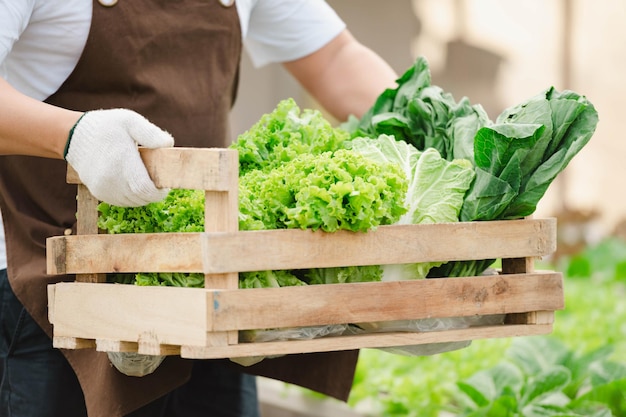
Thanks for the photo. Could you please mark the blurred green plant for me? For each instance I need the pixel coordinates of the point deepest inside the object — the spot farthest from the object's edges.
(578, 370)
(603, 261)
(542, 377)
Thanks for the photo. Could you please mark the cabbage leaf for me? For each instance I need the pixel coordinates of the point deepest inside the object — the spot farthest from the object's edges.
(435, 192)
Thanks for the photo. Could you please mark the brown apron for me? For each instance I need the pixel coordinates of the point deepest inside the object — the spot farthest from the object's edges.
(175, 62)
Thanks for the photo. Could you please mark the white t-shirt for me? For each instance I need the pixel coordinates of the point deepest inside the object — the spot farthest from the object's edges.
(41, 40)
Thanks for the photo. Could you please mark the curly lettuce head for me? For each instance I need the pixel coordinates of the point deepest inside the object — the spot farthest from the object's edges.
(330, 191)
(284, 134)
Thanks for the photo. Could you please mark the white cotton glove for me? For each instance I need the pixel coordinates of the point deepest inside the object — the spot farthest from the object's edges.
(102, 148)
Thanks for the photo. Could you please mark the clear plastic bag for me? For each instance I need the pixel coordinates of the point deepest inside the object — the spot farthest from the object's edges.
(135, 364)
(426, 325)
(295, 333)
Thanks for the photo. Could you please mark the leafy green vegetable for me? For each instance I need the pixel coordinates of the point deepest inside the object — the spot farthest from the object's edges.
(294, 174)
(436, 187)
(342, 275)
(285, 134)
(180, 211)
(422, 114)
(269, 279)
(544, 378)
(435, 192)
(570, 121)
(515, 158)
(329, 191)
(170, 279)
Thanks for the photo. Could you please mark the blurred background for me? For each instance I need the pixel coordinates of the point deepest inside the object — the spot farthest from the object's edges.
(499, 53)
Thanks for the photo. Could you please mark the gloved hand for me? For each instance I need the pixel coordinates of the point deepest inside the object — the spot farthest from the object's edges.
(102, 148)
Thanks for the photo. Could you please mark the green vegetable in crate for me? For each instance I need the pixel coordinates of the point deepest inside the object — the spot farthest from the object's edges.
(298, 183)
(435, 193)
(528, 146)
(515, 158)
(180, 211)
(330, 191)
(269, 279)
(423, 115)
(285, 134)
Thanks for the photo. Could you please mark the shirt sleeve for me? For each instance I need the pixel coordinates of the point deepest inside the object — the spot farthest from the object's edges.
(14, 18)
(284, 30)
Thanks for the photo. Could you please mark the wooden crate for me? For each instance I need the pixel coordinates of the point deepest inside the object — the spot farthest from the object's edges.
(205, 323)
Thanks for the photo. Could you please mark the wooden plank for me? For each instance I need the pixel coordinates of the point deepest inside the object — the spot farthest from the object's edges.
(61, 342)
(532, 317)
(363, 341)
(105, 345)
(156, 315)
(221, 210)
(146, 348)
(347, 342)
(182, 316)
(87, 224)
(518, 265)
(295, 249)
(165, 252)
(192, 168)
(150, 349)
(370, 302)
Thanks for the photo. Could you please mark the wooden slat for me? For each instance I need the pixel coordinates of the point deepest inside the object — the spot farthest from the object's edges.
(183, 316)
(532, 317)
(295, 249)
(62, 342)
(87, 224)
(370, 302)
(362, 341)
(151, 315)
(221, 210)
(105, 345)
(518, 265)
(192, 168)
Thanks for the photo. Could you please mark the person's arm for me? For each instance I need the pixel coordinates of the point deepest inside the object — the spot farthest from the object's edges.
(101, 145)
(30, 127)
(344, 76)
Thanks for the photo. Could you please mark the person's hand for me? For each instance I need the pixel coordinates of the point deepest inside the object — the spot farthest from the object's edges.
(102, 148)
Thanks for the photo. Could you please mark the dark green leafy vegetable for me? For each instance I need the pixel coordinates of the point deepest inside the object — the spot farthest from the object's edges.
(515, 158)
(423, 115)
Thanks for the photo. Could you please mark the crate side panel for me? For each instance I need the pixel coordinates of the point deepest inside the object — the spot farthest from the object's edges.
(396, 244)
(157, 315)
(223, 252)
(372, 302)
(149, 252)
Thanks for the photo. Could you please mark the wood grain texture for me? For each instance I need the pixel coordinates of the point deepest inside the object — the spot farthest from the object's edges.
(223, 252)
(205, 323)
(193, 168)
(363, 341)
(155, 316)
